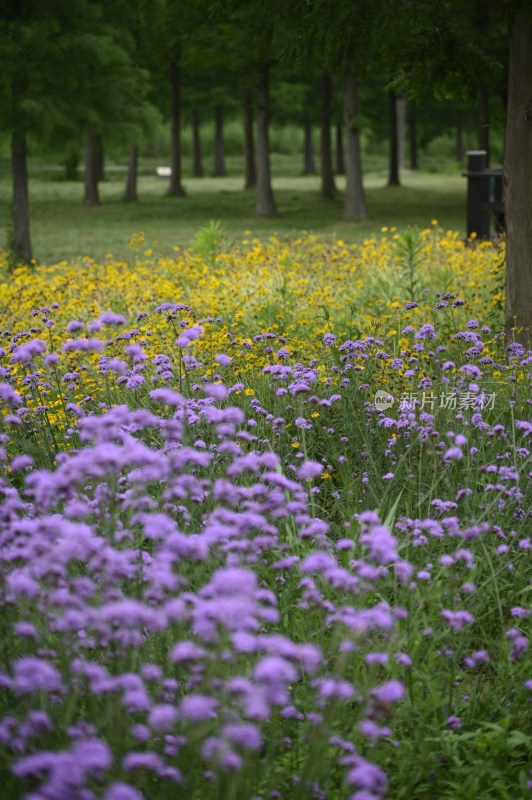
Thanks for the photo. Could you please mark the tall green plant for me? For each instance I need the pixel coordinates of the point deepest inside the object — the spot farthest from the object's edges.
(208, 241)
(409, 253)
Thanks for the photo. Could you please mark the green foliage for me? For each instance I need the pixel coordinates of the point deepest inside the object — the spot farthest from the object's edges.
(400, 278)
(490, 761)
(441, 49)
(339, 33)
(70, 67)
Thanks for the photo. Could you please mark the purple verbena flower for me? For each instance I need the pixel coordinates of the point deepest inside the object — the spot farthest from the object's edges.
(426, 331)
(110, 318)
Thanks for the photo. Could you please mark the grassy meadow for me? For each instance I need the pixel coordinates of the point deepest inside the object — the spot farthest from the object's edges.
(62, 228)
(265, 499)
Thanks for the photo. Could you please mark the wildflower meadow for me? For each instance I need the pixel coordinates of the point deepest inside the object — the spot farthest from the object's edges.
(265, 523)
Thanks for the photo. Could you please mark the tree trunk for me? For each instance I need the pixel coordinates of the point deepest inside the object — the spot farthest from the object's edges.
(393, 174)
(401, 111)
(460, 153)
(518, 181)
(414, 162)
(265, 203)
(92, 195)
(249, 146)
(309, 166)
(355, 202)
(175, 188)
(328, 186)
(197, 163)
(483, 121)
(132, 168)
(340, 161)
(219, 160)
(21, 205)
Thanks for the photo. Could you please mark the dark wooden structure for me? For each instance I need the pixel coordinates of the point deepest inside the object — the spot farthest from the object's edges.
(485, 201)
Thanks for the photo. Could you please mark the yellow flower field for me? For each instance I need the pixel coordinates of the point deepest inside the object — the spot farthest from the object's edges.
(294, 290)
(284, 285)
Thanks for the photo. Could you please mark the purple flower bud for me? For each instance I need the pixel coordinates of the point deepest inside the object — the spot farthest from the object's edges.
(308, 470)
(74, 326)
(122, 791)
(110, 318)
(389, 692)
(222, 359)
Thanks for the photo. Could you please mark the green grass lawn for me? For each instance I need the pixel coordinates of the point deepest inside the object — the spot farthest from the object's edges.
(62, 228)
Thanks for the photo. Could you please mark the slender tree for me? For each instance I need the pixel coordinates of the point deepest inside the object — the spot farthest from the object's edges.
(91, 196)
(355, 202)
(21, 243)
(130, 193)
(265, 202)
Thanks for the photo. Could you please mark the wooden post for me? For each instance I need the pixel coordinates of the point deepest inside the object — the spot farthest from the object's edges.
(478, 194)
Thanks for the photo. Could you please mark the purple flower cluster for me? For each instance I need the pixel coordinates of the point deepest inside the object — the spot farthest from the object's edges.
(131, 601)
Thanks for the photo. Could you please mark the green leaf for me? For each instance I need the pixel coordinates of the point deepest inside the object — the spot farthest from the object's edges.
(389, 522)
